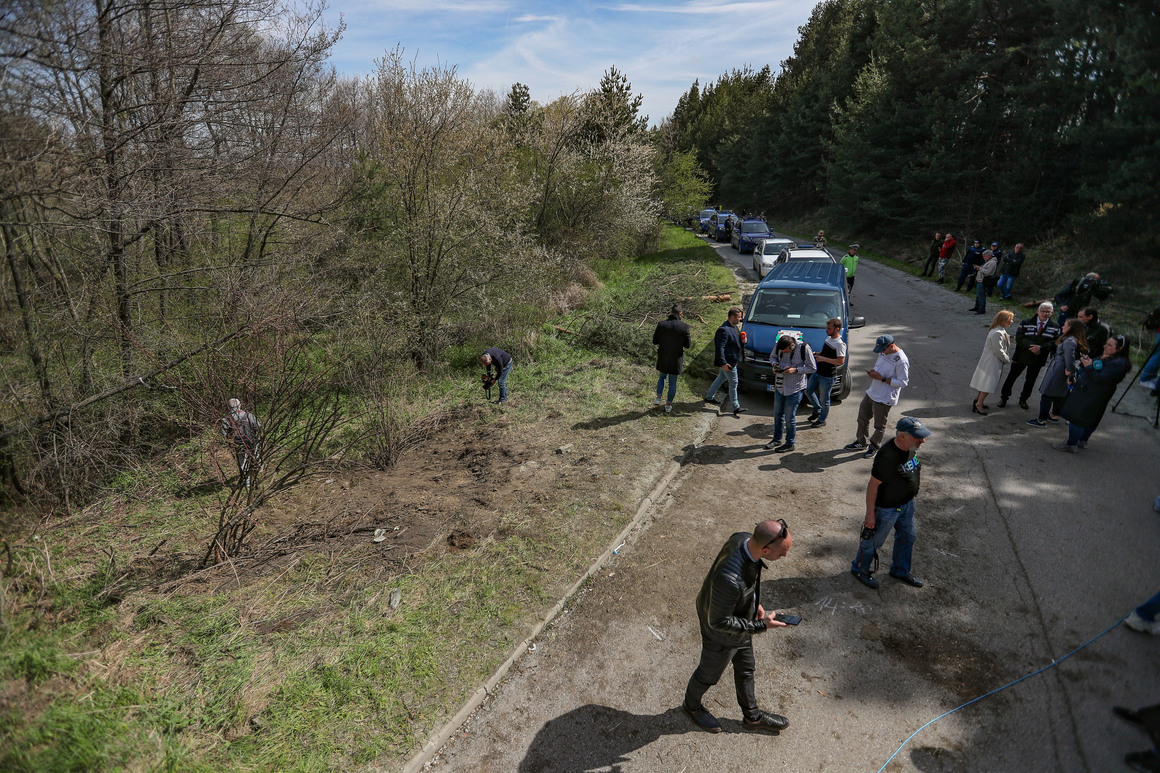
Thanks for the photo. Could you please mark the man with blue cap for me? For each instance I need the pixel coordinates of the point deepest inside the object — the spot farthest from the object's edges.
(887, 378)
(894, 482)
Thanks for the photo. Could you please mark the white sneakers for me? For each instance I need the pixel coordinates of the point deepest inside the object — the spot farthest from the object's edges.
(1137, 623)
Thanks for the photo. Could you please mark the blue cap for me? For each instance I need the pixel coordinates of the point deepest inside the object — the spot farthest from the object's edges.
(912, 427)
(883, 342)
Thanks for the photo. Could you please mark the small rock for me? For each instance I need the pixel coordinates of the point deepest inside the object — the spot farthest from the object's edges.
(565, 448)
(396, 597)
(329, 481)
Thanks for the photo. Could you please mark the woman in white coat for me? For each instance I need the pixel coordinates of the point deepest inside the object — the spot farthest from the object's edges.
(996, 354)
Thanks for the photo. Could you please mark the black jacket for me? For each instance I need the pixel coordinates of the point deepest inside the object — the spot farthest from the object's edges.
(1084, 406)
(1013, 263)
(672, 338)
(1080, 292)
(726, 345)
(1097, 334)
(1026, 336)
(974, 257)
(727, 603)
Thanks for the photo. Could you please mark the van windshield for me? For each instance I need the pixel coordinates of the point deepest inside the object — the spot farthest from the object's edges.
(794, 307)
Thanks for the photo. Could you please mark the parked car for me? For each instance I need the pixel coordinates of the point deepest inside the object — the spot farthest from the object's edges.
(703, 220)
(718, 225)
(747, 233)
(808, 253)
(796, 299)
(766, 252)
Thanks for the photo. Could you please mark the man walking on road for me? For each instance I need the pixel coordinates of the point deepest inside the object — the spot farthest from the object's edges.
(850, 261)
(894, 483)
(671, 338)
(1034, 341)
(890, 374)
(726, 355)
(730, 612)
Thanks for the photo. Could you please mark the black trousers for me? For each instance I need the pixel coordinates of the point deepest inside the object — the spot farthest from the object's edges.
(715, 658)
(1028, 385)
(967, 275)
(931, 262)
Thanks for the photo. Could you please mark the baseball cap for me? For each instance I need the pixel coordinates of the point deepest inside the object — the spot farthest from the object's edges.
(882, 342)
(912, 427)
(994, 244)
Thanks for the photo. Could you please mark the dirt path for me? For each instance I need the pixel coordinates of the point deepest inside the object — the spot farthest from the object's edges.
(1028, 553)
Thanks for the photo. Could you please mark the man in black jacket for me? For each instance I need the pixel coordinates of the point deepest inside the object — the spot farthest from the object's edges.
(1009, 269)
(1034, 341)
(671, 338)
(730, 612)
(726, 355)
(1096, 333)
(971, 262)
(932, 255)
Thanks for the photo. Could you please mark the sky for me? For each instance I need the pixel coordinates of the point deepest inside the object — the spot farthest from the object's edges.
(556, 47)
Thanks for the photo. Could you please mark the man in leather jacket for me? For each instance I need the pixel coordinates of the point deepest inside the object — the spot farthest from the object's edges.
(730, 612)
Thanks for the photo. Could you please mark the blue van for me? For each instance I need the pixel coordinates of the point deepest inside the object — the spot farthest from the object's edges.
(795, 298)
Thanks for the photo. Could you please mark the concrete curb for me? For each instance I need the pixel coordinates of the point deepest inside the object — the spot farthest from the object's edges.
(436, 741)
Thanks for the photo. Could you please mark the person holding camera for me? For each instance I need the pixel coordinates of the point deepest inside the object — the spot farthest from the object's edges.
(1079, 293)
(730, 612)
(792, 362)
(894, 483)
(1095, 384)
(503, 363)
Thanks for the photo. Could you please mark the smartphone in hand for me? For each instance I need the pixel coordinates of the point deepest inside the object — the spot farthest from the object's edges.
(787, 619)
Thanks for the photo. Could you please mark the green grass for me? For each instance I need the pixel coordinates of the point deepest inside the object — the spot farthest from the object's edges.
(201, 678)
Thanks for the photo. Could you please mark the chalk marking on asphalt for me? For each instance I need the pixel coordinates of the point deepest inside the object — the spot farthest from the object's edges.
(654, 633)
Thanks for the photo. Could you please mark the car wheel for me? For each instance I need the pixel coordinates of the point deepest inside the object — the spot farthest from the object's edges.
(845, 391)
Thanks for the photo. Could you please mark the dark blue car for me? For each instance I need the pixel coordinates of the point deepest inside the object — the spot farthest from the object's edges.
(703, 220)
(718, 222)
(748, 232)
(795, 299)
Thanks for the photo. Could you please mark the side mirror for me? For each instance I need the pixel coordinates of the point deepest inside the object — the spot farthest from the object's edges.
(857, 321)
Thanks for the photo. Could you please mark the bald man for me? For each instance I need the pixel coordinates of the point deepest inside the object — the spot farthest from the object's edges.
(730, 612)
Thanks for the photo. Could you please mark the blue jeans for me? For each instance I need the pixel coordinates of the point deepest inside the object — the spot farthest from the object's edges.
(503, 374)
(818, 393)
(1152, 366)
(981, 296)
(1150, 609)
(785, 412)
(902, 520)
(1006, 282)
(672, 377)
(1076, 433)
(723, 376)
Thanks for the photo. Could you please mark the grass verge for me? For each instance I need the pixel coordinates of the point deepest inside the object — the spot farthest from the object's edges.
(116, 654)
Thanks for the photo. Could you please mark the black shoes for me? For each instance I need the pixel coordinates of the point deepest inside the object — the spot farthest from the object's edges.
(1023, 404)
(738, 411)
(855, 446)
(703, 718)
(769, 722)
(773, 444)
(1002, 402)
(865, 579)
(907, 578)
(784, 447)
(813, 417)
(870, 451)
(711, 400)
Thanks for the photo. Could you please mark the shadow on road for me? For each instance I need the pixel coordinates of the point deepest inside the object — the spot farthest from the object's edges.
(594, 737)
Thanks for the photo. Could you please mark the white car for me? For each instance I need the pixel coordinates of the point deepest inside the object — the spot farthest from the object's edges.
(766, 252)
(793, 253)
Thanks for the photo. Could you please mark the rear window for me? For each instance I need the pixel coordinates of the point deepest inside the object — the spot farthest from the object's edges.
(774, 248)
(708, 213)
(754, 228)
(794, 307)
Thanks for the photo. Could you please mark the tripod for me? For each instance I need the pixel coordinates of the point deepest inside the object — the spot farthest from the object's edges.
(1132, 381)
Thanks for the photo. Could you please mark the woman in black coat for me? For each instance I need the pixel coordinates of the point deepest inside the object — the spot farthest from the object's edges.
(1095, 384)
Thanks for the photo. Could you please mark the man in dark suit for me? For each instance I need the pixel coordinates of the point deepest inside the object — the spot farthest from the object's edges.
(1034, 341)
(671, 338)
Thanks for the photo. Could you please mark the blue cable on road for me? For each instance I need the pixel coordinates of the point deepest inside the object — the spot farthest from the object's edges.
(1052, 664)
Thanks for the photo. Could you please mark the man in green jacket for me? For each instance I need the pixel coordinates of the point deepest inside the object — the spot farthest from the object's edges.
(850, 261)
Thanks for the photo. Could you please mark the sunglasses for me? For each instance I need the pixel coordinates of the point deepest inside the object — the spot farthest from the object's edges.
(783, 535)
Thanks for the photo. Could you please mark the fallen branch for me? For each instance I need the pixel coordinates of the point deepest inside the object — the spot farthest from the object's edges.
(565, 330)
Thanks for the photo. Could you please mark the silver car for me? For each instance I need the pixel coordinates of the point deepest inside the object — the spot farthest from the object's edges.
(766, 252)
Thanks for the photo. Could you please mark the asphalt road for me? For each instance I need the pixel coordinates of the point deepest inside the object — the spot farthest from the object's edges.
(1028, 553)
